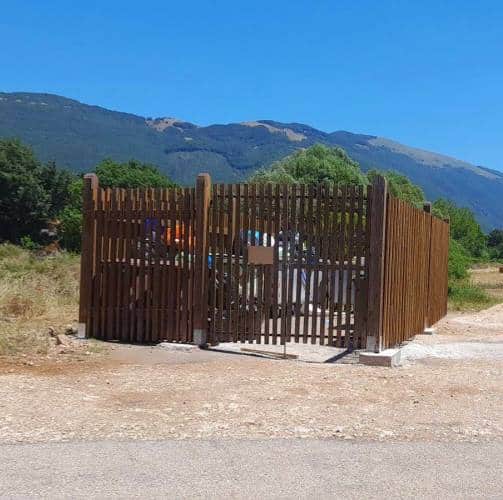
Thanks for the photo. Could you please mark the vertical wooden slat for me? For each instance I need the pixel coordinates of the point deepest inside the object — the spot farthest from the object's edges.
(229, 299)
(284, 263)
(251, 267)
(341, 257)
(301, 228)
(316, 262)
(236, 275)
(220, 262)
(324, 240)
(332, 256)
(268, 270)
(260, 269)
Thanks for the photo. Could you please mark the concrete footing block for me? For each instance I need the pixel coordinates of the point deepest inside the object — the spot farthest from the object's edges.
(81, 331)
(429, 331)
(200, 337)
(389, 358)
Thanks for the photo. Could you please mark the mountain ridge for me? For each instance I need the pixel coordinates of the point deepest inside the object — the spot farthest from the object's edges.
(78, 136)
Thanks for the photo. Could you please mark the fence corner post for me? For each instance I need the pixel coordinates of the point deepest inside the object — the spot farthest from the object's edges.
(378, 207)
(202, 199)
(89, 190)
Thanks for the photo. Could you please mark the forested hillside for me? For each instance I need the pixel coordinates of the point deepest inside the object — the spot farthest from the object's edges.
(79, 136)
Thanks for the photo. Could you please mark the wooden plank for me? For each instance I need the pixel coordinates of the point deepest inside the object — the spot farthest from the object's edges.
(245, 276)
(276, 225)
(268, 277)
(236, 267)
(98, 267)
(341, 257)
(348, 341)
(126, 263)
(140, 309)
(220, 262)
(284, 264)
(317, 228)
(332, 255)
(214, 335)
(202, 202)
(324, 241)
(261, 268)
(292, 221)
(376, 264)
(251, 267)
(89, 193)
(308, 265)
(301, 228)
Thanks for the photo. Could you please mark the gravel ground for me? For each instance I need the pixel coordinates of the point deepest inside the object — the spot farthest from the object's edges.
(153, 393)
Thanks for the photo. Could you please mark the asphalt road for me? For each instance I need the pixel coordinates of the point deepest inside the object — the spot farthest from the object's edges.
(251, 469)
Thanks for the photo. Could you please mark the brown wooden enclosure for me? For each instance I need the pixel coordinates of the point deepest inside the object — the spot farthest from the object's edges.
(344, 266)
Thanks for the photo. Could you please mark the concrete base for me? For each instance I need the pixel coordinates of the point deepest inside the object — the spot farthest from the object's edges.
(389, 358)
(171, 346)
(429, 331)
(81, 331)
(199, 337)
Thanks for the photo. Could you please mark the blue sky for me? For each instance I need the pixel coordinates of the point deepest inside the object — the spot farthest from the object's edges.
(429, 73)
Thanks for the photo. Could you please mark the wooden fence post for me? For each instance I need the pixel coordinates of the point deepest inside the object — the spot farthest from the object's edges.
(89, 191)
(203, 193)
(376, 263)
(427, 209)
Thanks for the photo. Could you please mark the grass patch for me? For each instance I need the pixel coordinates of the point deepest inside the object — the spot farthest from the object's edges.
(35, 293)
(464, 295)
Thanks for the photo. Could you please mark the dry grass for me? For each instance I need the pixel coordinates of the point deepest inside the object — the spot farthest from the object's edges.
(35, 293)
(490, 279)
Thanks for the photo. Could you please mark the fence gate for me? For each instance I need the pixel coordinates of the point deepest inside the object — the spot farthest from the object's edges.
(288, 263)
(140, 264)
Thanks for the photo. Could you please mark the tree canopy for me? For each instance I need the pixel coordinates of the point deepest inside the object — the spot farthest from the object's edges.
(130, 174)
(463, 226)
(314, 165)
(495, 243)
(400, 187)
(25, 202)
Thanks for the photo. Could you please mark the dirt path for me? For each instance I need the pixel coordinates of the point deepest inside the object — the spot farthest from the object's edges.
(153, 393)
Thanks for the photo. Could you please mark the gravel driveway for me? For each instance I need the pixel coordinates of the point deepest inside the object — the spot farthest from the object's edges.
(152, 393)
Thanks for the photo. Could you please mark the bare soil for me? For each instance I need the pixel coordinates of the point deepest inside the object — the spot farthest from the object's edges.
(90, 391)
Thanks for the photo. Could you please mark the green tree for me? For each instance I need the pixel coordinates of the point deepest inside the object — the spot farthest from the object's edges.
(495, 243)
(464, 227)
(314, 165)
(24, 203)
(401, 187)
(130, 174)
(56, 183)
(459, 261)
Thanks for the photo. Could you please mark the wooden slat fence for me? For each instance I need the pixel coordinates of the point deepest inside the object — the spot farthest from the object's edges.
(415, 272)
(344, 266)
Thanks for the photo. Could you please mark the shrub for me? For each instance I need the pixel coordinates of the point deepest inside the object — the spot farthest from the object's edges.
(70, 228)
(464, 295)
(459, 261)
